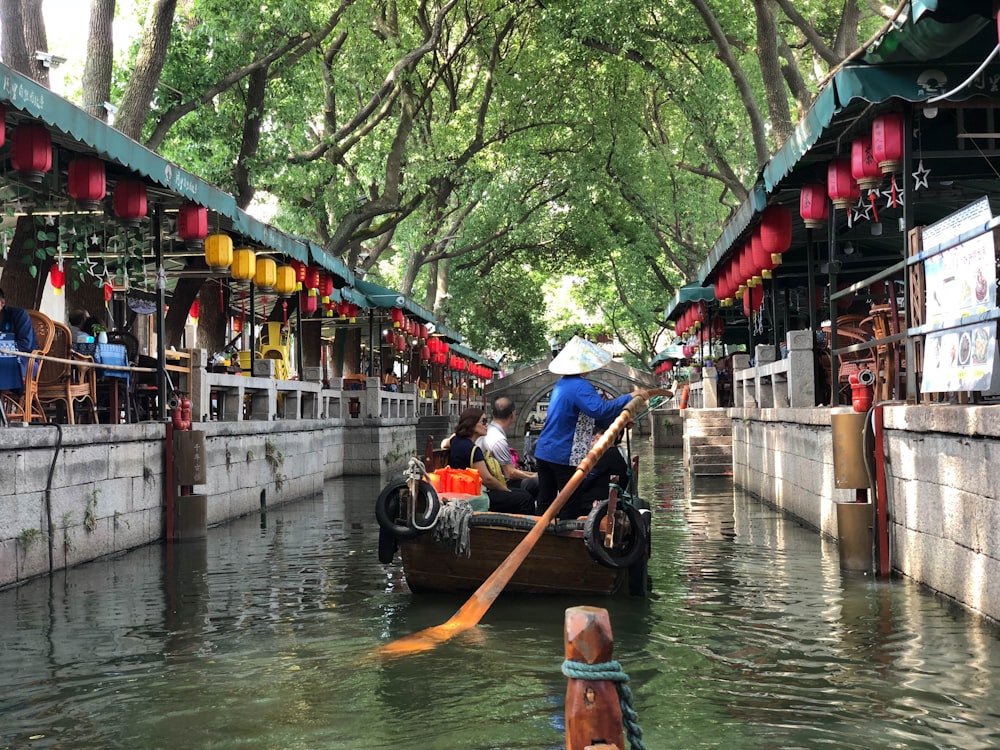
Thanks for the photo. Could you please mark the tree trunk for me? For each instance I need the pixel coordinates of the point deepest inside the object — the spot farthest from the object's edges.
(20, 288)
(100, 57)
(252, 119)
(146, 72)
(13, 45)
(770, 69)
(35, 39)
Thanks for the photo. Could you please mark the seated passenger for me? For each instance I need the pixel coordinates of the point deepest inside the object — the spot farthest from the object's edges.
(464, 454)
(496, 443)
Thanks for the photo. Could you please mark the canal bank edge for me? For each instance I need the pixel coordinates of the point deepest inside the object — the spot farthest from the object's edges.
(106, 493)
(943, 473)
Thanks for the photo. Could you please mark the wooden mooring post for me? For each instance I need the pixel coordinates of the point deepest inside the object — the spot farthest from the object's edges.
(593, 710)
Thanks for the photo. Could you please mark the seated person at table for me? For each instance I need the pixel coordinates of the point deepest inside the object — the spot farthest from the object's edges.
(14, 320)
(463, 453)
(77, 320)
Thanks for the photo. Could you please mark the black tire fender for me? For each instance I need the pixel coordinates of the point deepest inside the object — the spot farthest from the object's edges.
(633, 538)
(389, 511)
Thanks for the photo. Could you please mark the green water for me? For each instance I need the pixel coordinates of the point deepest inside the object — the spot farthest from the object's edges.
(262, 637)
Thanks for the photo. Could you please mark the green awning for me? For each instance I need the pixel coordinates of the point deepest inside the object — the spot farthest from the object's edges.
(112, 146)
(731, 231)
(464, 351)
(380, 296)
(687, 295)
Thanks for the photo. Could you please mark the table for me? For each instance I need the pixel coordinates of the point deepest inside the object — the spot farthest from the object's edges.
(11, 377)
(110, 380)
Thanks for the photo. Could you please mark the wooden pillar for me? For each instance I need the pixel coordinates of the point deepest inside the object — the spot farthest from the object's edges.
(593, 711)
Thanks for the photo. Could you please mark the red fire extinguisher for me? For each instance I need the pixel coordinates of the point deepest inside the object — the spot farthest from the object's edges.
(862, 389)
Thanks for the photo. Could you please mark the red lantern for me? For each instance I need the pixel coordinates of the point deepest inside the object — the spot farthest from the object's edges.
(192, 224)
(761, 259)
(752, 300)
(400, 342)
(237, 325)
(87, 184)
(300, 271)
(309, 300)
(887, 142)
(397, 317)
(312, 278)
(840, 184)
(109, 291)
(864, 165)
(195, 310)
(389, 337)
(775, 233)
(31, 152)
(668, 366)
(130, 202)
(813, 205)
(325, 285)
(58, 278)
(425, 353)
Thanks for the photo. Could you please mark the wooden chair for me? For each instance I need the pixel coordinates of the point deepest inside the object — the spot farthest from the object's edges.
(64, 382)
(888, 321)
(26, 407)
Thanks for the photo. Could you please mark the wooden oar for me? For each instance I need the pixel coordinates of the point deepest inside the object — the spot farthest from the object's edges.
(473, 610)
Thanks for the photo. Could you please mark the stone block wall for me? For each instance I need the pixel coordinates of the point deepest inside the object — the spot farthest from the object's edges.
(106, 492)
(943, 477)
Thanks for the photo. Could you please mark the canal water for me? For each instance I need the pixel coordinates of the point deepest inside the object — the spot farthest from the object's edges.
(262, 637)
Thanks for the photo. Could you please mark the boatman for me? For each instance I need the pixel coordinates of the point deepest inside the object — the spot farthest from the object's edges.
(574, 409)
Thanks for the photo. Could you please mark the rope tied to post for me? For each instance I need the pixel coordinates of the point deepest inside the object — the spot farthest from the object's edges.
(612, 672)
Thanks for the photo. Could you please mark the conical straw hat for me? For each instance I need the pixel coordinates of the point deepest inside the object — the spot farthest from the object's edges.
(579, 356)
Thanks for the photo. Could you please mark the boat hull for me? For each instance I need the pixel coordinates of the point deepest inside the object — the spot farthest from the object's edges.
(559, 563)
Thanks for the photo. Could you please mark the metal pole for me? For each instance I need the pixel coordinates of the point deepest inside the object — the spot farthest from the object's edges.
(161, 304)
(831, 273)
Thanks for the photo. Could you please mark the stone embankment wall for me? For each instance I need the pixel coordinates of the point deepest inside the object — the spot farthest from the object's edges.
(943, 476)
(80, 492)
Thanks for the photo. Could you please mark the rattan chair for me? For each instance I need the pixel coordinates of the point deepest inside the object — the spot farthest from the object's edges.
(25, 407)
(64, 382)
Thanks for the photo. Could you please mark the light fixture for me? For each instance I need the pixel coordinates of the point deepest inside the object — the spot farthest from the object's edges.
(49, 60)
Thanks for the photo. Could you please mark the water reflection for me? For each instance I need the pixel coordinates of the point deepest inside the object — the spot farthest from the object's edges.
(262, 636)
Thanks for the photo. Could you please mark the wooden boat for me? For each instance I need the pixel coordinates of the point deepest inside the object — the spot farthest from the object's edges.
(573, 556)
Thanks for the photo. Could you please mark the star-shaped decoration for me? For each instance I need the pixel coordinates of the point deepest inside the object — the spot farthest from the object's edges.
(94, 239)
(72, 231)
(862, 210)
(50, 220)
(890, 202)
(920, 176)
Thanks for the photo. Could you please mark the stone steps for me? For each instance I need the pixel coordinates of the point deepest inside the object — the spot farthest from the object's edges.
(708, 442)
(435, 427)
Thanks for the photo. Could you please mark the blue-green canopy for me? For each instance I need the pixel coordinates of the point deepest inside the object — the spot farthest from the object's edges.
(78, 129)
(685, 296)
(380, 296)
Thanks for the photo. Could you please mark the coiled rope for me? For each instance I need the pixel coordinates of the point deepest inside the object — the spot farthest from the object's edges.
(613, 672)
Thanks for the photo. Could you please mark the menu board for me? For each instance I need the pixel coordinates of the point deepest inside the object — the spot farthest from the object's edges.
(960, 359)
(960, 285)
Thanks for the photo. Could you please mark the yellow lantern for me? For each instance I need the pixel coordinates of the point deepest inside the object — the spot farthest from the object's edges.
(284, 282)
(244, 264)
(218, 252)
(267, 274)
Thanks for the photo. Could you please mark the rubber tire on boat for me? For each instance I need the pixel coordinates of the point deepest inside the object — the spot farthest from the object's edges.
(387, 509)
(635, 544)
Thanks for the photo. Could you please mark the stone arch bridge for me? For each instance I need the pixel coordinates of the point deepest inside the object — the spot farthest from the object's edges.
(530, 386)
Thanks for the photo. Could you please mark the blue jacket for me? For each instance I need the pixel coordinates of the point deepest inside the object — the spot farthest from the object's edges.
(574, 408)
(17, 321)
